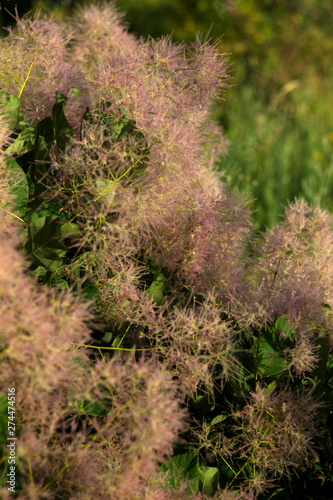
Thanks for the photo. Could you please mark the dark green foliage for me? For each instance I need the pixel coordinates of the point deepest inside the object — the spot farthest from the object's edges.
(44, 246)
(62, 129)
(19, 188)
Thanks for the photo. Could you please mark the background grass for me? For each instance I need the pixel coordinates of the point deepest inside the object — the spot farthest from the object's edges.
(277, 113)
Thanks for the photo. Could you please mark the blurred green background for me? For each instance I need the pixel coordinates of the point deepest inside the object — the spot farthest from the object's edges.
(278, 111)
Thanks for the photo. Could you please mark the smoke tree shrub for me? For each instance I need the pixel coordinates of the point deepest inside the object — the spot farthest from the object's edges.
(137, 295)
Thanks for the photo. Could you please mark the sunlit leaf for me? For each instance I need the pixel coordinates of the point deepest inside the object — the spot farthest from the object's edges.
(18, 185)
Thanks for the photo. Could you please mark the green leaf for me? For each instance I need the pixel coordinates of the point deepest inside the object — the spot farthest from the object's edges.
(23, 122)
(107, 337)
(45, 129)
(37, 169)
(270, 387)
(209, 480)
(329, 365)
(157, 289)
(75, 91)
(3, 418)
(40, 274)
(51, 208)
(91, 292)
(10, 107)
(270, 356)
(70, 230)
(100, 407)
(62, 128)
(18, 187)
(116, 341)
(226, 471)
(202, 403)
(24, 142)
(83, 261)
(182, 467)
(279, 494)
(93, 409)
(45, 246)
(219, 419)
(241, 386)
(58, 282)
(117, 127)
(282, 324)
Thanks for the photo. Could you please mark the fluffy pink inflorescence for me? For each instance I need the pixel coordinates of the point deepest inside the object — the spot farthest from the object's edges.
(35, 64)
(98, 32)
